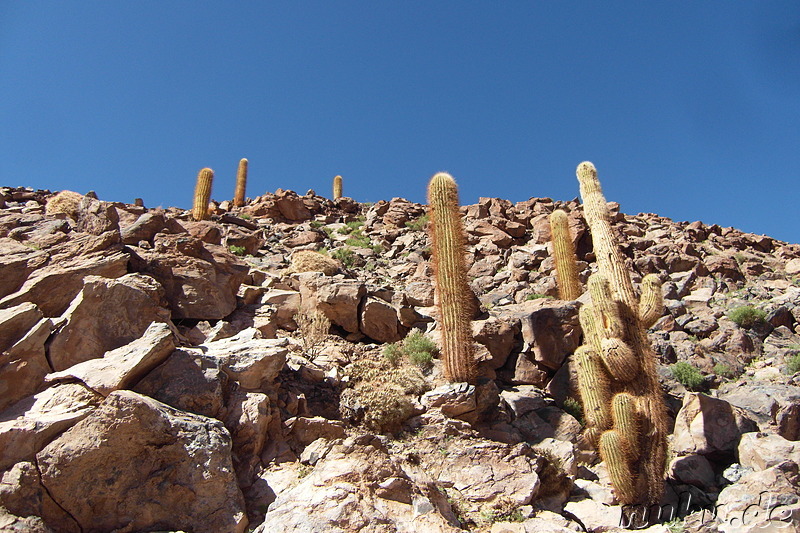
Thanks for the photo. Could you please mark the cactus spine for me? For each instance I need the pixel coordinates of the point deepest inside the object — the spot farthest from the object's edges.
(337, 187)
(241, 184)
(569, 286)
(202, 194)
(452, 287)
(630, 429)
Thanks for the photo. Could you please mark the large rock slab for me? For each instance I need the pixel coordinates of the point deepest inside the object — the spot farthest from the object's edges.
(760, 451)
(54, 286)
(336, 297)
(550, 329)
(24, 365)
(107, 314)
(200, 279)
(125, 366)
(17, 261)
(136, 464)
(710, 427)
(30, 424)
(188, 381)
(765, 500)
(379, 320)
(349, 488)
(16, 321)
(249, 359)
(775, 406)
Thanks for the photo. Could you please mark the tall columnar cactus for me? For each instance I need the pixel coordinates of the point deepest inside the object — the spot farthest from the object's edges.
(202, 194)
(337, 187)
(452, 287)
(569, 286)
(623, 401)
(241, 184)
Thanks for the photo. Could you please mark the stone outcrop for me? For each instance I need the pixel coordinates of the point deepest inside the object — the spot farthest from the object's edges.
(174, 469)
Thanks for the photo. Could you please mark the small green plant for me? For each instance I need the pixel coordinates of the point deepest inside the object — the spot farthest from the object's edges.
(739, 257)
(345, 255)
(245, 216)
(419, 349)
(419, 224)
(392, 353)
(359, 240)
(724, 371)
(574, 407)
(536, 296)
(675, 526)
(316, 224)
(238, 250)
(793, 363)
(687, 375)
(747, 316)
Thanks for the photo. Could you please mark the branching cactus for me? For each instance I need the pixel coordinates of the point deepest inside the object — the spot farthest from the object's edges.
(569, 285)
(452, 288)
(623, 401)
(337, 187)
(202, 194)
(241, 184)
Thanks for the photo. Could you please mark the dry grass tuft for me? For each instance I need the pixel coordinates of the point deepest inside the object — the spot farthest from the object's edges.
(64, 203)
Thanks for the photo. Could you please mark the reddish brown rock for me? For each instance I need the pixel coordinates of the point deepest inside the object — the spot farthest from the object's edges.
(138, 465)
(379, 320)
(54, 286)
(125, 366)
(336, 297)
(17, 261)
(200, 280)
(24, 365)
(128, 305)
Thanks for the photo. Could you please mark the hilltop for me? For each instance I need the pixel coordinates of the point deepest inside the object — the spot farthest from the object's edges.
(165, 374)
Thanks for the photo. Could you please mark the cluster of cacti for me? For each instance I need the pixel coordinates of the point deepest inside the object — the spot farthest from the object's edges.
(569, 285)
(202, 194)
(337, 187)
(623, 402)
(241, 184)
(452, 287)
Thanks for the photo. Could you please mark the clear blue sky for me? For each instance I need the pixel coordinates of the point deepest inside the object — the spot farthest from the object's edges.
(689, 109)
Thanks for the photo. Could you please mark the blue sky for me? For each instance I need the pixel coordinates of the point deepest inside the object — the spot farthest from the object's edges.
(689, 109)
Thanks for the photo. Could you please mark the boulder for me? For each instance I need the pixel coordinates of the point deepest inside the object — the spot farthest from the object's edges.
(30, 424)
(775, 406)
(23, 501)
(136, 464)
(96, 217)
(248, 359)
(351, 486)
(143, 228)
(491, 472)
(760, 451)
(498, 336)
(188, 381)
(379, 320)
(247, 420)
(201, 280)
(54, 286)
(710, 427)
(766, 500)
(693, 470)
(550, 329)
(17, 261)
(127, 305)
(125, 366)
(16, 321)
(287, 304)
(336, 297)
(24, 365)
(452, 399)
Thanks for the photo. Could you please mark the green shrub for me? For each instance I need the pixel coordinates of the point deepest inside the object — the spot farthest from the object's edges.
(687, 375)
(359, 240)
(419, 349)
(747, 316)
(245, 216)
(345, 255)
(238, 250)
(392, 353)
(793, 363)
(723, 370)
(536, 296)
(418, 224)
(574, 407)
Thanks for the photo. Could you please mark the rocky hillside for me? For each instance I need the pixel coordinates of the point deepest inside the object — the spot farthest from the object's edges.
(162, 374)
